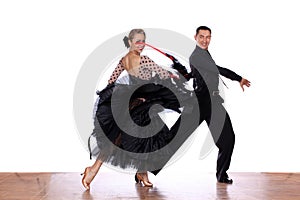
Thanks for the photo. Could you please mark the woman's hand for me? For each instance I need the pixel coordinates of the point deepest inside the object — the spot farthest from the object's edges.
(174, 76)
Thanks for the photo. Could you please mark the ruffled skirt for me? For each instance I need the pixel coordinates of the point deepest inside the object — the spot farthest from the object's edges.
(128, 131)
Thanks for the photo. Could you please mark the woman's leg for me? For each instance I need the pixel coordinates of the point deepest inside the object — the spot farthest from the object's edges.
(90, 173)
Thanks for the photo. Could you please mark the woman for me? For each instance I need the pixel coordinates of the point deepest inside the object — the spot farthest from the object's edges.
(145, 93)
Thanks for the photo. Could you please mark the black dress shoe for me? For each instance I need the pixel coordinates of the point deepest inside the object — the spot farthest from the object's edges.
(225, 180)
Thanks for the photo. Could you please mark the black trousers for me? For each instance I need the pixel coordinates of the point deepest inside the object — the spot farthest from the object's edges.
(220, 126)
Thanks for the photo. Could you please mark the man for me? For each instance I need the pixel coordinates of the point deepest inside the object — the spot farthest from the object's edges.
(206, 80)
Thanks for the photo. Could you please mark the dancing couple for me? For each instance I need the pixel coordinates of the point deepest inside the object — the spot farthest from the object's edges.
(128, 130)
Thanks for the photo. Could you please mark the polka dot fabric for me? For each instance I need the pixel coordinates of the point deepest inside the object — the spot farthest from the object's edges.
(146, 69)
(116, 73)
(148, 66)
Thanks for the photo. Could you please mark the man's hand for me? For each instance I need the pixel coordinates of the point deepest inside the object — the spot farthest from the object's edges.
(244, 82)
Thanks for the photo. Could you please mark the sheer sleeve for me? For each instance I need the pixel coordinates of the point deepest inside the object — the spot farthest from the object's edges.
(116, 73)
(152, 66)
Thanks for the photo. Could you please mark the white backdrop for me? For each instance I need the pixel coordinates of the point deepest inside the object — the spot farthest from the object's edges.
(44, 44)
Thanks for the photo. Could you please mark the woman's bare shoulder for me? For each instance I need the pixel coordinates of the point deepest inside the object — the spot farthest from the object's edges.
(130, 60)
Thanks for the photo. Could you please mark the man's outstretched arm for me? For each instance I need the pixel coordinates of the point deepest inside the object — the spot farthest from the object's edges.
(233, 76)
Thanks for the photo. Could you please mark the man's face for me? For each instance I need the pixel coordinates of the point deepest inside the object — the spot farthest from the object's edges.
(203, 38)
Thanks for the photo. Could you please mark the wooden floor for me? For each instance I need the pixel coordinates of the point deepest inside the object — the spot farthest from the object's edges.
(116, 185)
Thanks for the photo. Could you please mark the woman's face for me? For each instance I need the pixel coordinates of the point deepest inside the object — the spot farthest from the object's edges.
(137, 43)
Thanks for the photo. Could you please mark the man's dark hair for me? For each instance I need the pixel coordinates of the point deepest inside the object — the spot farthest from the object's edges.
(202, 28)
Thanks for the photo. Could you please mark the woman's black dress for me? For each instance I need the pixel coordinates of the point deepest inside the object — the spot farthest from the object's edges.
(128, 131)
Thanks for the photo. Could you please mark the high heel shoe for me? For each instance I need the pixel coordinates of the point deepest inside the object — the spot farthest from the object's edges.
(139, 178)
(86, 174)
